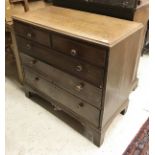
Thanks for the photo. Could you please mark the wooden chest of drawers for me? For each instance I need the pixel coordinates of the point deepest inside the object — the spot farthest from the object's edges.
(81, 63)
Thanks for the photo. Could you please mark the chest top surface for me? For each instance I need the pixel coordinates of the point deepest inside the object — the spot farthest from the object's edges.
(99, 29)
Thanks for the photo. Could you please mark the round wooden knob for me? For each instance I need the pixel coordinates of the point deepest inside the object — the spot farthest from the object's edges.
(29, 35)
(73, 52)
(36, 78)
(125, 3)
(79, 86)
(78, 68)
(32, 62)
(56, 108)
(28, 46)
(101, 86)
(80, 105)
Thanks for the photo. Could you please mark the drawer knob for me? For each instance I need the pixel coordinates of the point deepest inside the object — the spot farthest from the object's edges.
(78, 68)
(80, 105)
(36, 78)
(79, 86)
(73, 52)
(29, 35)
(32, 62)
(28, 46)
(125, 3)
(56, 108)
(101, 86)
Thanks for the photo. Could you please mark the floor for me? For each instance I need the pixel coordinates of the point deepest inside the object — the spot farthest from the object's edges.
(31, 129)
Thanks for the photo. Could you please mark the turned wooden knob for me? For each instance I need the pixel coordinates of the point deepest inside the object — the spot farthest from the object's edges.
(79, 86)
(29, 35)
(78, 68)
(80, 105)
(28, 46)
(32, 62)
(37, 78)
(73, 52)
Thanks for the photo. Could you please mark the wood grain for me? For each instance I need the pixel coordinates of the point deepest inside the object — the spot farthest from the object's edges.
(89, 93)
(78, 106)
(97, 28)
(118, 39)
(89, 73)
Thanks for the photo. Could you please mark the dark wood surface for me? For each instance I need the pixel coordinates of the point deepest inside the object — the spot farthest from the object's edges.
(76, 67)
(32, 33)
(124, 9)
(75, 86)
(92, 87)
(78, 106)
(92, 54)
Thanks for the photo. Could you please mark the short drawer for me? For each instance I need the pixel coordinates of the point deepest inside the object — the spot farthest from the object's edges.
(75, 67)
(76, 105)
(90, 53)
(32, 33)
(73, 85)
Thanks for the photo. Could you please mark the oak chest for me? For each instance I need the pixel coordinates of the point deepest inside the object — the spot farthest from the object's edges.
(81, 63)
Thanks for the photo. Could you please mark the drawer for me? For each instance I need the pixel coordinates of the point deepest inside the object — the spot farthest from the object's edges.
(75, 67)
(92, 54)
(32, 33)
(73, 85)
(76, 105)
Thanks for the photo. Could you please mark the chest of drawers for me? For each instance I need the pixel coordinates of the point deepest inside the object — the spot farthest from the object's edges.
(80, 62)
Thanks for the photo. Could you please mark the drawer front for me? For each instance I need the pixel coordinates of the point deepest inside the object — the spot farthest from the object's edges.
(72, 103)
(34, 34)
(92, 54)
(73, 85)
(75, 67)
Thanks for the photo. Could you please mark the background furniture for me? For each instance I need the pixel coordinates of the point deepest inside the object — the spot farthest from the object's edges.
(9, 30)
(83, 66)
(18, 7)
(116, 8)
(24, 2)
(141, 15)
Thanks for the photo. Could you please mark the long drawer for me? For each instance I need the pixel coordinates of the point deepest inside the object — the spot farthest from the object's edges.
(92, 54)
(80, 88)
(32, 33)
(75, 67)
(78, 106)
